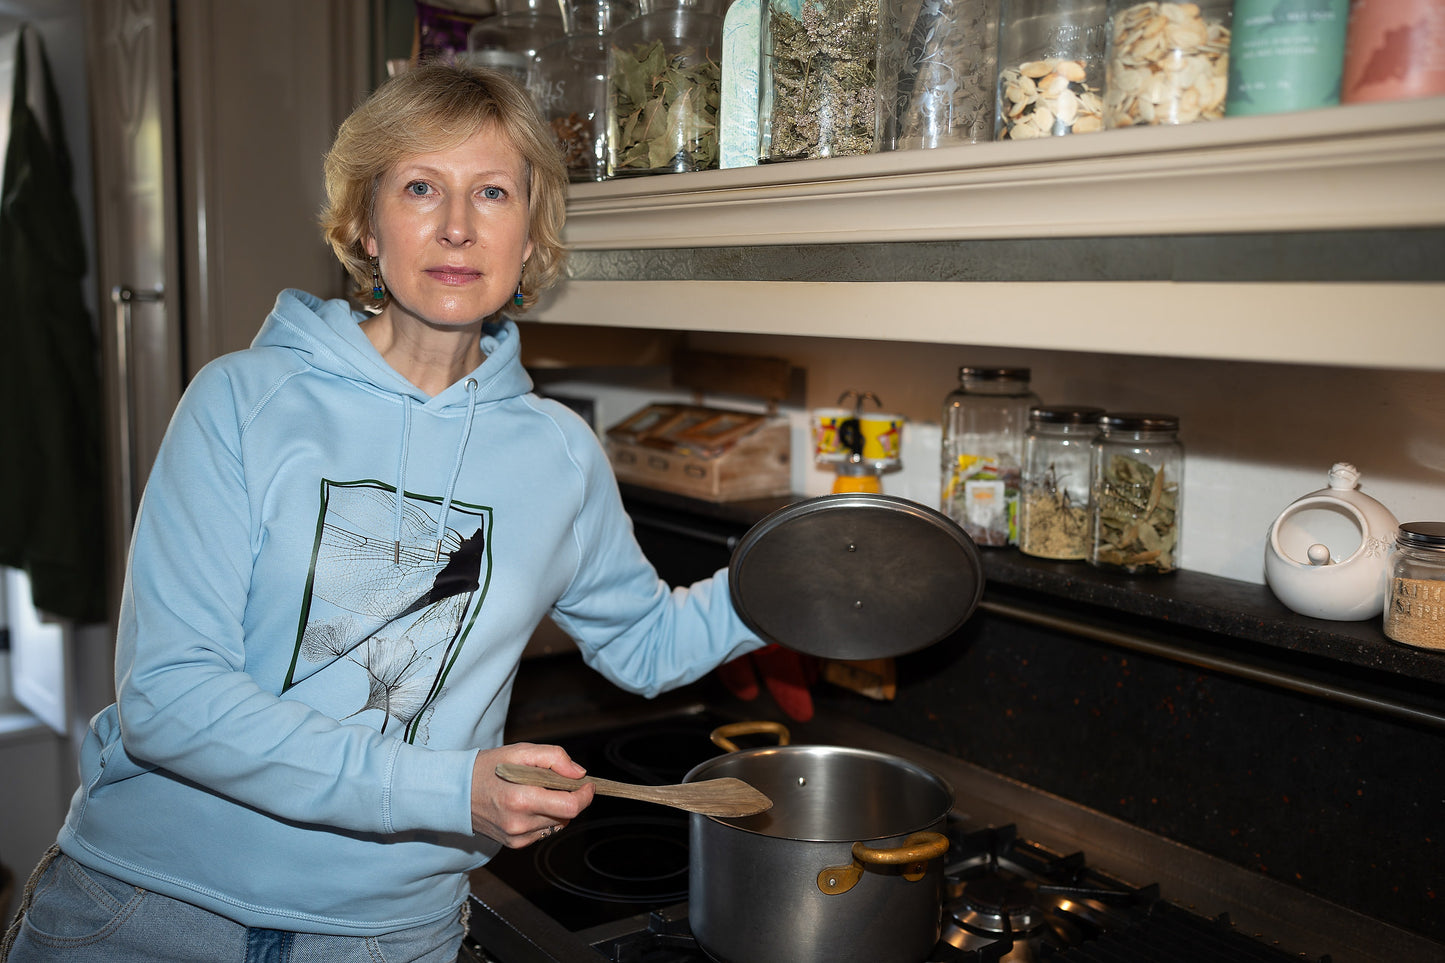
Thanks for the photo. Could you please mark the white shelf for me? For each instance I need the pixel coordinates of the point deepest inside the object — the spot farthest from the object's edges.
(1374, 166)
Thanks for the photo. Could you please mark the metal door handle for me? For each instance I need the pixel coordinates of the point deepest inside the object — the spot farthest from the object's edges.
(122, 296)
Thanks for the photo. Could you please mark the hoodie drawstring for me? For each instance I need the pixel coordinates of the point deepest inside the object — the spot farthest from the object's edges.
(456, 465)
(471, 384)
(401, 479)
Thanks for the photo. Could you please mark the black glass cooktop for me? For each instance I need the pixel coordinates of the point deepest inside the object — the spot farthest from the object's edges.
(620, 857)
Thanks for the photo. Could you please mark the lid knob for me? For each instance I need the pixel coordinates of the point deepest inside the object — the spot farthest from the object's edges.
(1344, 476)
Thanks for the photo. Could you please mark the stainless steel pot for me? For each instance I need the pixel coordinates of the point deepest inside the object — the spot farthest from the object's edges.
(846, 866)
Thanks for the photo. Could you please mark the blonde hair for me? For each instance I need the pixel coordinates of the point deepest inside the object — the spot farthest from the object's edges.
(435, 107)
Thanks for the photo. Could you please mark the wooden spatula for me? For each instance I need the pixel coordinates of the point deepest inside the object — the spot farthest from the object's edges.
(710, 797)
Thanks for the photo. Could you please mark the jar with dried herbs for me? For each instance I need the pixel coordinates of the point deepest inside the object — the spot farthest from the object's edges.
(569, 85)
(1167, 63)
(663, 79)
(818, 80)
(937, 61)
(1050, 68)
(1054, 519)
(1415, 604)
(1137, 493)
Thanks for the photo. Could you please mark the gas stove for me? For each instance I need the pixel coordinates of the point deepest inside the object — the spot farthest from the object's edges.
(1028, 876)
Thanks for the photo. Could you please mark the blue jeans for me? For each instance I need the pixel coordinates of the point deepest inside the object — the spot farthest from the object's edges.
(79, 915)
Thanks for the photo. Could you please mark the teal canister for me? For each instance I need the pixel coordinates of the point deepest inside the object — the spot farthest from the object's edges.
(1286, 55)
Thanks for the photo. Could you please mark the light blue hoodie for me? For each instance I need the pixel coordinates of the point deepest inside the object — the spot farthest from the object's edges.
(331, 581)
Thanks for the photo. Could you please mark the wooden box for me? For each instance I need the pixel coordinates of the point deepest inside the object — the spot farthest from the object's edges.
(708, 453)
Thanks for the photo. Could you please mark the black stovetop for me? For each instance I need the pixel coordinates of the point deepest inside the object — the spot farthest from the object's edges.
(613, 885)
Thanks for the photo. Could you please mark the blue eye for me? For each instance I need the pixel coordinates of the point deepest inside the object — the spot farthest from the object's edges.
(493, 193)
(419, 188)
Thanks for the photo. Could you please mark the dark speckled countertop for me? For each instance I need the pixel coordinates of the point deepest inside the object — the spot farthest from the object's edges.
(1246, 613)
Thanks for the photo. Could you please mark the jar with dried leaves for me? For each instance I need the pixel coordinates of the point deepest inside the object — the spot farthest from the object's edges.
(1137, 493)
(664, 76)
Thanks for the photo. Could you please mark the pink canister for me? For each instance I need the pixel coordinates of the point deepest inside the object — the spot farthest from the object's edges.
(1394, 50)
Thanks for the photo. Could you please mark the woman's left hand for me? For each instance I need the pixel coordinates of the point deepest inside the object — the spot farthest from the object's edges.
(518, 816)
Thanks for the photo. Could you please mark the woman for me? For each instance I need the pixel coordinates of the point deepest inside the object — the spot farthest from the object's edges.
(349, 534)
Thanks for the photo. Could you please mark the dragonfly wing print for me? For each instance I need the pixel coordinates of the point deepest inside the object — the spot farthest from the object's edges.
(396, 614)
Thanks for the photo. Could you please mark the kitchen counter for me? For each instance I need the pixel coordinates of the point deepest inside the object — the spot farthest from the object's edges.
(1223, 617)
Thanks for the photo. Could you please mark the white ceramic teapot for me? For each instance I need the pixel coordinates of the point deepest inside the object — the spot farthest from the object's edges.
(1328, 553)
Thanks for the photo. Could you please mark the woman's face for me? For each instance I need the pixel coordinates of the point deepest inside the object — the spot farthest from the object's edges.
(450, 230)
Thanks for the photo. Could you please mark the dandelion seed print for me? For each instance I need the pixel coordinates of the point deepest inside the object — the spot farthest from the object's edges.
(393, 614)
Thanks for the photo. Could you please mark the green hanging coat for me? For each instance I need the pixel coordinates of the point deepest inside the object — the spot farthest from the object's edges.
(52, 485)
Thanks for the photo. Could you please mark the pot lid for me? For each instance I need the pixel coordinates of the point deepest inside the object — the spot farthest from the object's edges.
(855, 576)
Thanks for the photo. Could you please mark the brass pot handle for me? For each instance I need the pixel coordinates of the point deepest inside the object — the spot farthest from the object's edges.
(722, 735)
(913, 856)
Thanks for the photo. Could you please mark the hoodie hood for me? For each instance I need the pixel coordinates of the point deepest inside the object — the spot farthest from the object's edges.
(328, 335)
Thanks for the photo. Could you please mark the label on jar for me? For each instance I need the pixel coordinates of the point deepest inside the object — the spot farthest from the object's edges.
(1286, 56)
(1415, 613)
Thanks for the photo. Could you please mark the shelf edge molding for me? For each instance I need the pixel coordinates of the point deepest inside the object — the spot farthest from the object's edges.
(1367, 166)
(1253, 321)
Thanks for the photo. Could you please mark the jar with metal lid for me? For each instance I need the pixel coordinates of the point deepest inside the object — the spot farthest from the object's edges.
(569, 85)
(1054, 518)
(1168, 63)
(818, 79)
(1050, 68)
(984, 421)
(1415, 606)
(664, 76)
(937, 62)
(1137, 493)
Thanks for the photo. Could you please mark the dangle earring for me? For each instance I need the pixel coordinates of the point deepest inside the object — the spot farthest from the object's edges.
(377, 292)
(517, 298)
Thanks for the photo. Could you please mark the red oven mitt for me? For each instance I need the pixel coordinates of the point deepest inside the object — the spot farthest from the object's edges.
(739, 677)
(788, 676)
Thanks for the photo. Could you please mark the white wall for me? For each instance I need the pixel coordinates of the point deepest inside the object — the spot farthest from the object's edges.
(1257, 436)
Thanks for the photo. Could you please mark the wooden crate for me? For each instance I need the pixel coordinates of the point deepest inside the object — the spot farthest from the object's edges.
(708, 453)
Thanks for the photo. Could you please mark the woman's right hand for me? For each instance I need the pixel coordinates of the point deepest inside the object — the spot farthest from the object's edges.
(518, 816)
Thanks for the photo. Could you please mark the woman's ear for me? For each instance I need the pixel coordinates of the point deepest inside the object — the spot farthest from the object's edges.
(368, 243)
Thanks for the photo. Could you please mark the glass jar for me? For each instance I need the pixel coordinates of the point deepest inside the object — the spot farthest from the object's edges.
(569, 85)
(1285, 57)
(520, 28)
(1050, 68)
(1054, 518)
(937, 62)
(984, 421)
(663, 80)
(818, 78)
(1415, 605)
(1137, 493)
(1167, 63)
